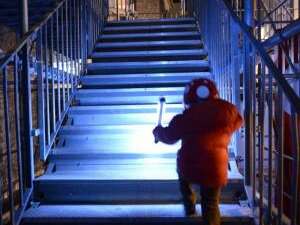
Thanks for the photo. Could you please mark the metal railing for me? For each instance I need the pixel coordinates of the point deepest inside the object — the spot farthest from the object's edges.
(264, 83)
(39, 80)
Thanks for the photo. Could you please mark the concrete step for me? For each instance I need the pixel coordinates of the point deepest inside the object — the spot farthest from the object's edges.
(140, 56)
(141, 80)
(141, 37)
(128, 96)
(148, 67)
(167, 214)
(148, 22)
(149, 29)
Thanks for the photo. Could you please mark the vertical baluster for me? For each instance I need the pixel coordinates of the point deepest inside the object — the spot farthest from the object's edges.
(261, 114)
(41, 93)
(79, 34)
(93, 24)
(100, 18)
(63, 55)
(84, 32)
(280, 158)
(98, 12)
(221, 50)
(248, 98)
(78, 42)
(71, 38)
(295, 167)
(219, 53)
(270, 147)
(75, 41)
(261, 102)
(67, 56)
(46, 81)
(8, 147)
(254, 123)
(95, 20)
(58, 61)
(87, 31)
(80, 37)
(53, 117)
(18, 130)
(27, 140)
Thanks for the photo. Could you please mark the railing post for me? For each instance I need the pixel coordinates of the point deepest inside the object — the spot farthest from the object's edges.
(27, 142)
(24, 16)
(248, 96)
(27, 156)
(235, 73)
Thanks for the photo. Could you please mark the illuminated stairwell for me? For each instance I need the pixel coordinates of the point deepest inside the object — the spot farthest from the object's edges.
(105, 168)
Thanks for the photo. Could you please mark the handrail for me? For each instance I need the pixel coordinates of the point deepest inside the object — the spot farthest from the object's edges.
(44, 71)
(28, 36)
(282, 46)
(286, 33)
(288, 91)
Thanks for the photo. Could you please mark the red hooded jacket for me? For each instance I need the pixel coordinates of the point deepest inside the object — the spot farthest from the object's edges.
(205, 130)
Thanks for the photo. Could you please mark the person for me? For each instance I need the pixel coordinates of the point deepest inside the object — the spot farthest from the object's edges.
(205, 128)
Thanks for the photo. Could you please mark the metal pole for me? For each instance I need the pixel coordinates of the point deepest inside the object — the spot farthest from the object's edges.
(24, 16)
(26, 102)
(248, 92)
(27, 123)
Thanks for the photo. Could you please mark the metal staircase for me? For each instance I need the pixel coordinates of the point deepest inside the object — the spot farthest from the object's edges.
(105, 167)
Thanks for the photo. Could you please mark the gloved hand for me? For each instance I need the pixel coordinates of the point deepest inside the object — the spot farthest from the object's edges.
(156, 132)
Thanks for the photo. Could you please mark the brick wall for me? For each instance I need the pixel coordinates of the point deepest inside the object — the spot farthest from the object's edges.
(148, 8)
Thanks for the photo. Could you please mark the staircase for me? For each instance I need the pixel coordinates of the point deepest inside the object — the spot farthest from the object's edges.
(105, 167)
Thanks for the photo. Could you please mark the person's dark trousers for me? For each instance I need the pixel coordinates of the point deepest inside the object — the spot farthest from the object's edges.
(210, 198)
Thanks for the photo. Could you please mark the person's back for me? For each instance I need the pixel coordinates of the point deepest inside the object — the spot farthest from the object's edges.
(205, 129)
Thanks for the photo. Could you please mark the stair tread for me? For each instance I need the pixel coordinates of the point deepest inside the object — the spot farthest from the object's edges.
(149, 27)
(142, 79)
(99, 173)
(147, 75)
(77, 130)
(148, 64)
(148, 43)
(117, 54)
(128, 96)
(141, 21)
(82, 93)
(166, 212)
(129, 108)
(148, 35)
